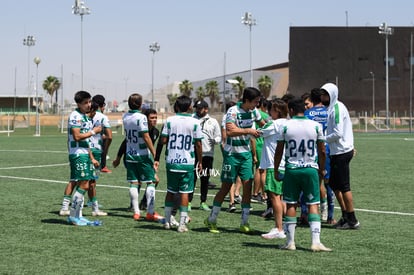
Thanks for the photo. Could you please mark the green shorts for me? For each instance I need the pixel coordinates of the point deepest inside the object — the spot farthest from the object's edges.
(180, 179)
(237, 165)
(301, 179)
(140, 169)
(81, 167)
(271, 184)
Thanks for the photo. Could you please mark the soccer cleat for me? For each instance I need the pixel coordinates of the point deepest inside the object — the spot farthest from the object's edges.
(64, 212)
(167, 226)
(173, 222)
(274, 233)
(232, 208)
(331, 221)
(340, 223)
(268, 213)
(256, 198)
(136, 216)
(77, 221)
(204, 206)
(288, 246)
(99, 213)
(182, 228)
(245, 228)
(319, 247)
(348, 225)
(187, 220)
(106, 170)
(212, 227)
(237, 199)
(153, 217)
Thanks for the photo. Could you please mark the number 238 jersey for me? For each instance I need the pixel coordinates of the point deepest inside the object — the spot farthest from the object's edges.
(182, 131)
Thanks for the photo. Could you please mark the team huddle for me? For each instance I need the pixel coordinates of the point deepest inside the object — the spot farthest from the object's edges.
(302, 158)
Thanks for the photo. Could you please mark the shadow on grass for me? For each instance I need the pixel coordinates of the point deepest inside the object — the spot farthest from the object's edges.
(273, 246)
(55, 221)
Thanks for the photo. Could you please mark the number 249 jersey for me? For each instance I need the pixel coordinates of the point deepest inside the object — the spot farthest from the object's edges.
(301, 135)
(182, 131)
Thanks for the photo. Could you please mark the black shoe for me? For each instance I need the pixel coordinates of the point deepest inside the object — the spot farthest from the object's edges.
(143, 205)
(232, 208)
(349, 225)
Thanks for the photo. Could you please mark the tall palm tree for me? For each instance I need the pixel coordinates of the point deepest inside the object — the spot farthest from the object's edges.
(172, 98)
(212, 91)
(186, 87)
(265, 84)
(51, 85)
(200, 93)
(239, 87)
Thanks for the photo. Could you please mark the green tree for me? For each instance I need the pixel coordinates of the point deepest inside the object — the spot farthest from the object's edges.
(200, 93)
(212, 91)
(239, 87)
(186, 87)
(51, 85)
(265, 83)
(172, 98)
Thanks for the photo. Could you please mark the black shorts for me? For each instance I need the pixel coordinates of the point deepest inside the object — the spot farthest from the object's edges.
(339, 179)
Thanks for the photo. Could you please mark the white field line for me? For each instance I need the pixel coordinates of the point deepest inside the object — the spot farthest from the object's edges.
(34, 166)
(210, 195)
(35, 151)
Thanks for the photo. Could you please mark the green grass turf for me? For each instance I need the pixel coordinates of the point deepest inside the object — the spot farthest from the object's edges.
(34, 239)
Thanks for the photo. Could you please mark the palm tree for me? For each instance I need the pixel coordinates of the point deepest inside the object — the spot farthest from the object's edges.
(186, 87)
(265, 84)
(200, 93)
(172, 98)
(239, 87)
(212, 91)
(51, 84)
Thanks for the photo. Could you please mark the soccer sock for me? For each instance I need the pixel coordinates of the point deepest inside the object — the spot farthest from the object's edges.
(290, 226)
(168, 210)
(66, 202)
(183, 214)
(315, 227)
(95, 205)
(245, 213)
(77, 203)
(134, 194)
(214, 211)
(150, 193)
(350, 217)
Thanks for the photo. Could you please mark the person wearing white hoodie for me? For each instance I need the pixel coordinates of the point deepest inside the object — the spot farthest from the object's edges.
(340, 138)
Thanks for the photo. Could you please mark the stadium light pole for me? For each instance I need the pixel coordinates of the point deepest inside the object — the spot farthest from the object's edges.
(154, 47)
(80, 9)
(373, 93)
(386, 31)
(37, 62)
(29, 41)
(248, 20)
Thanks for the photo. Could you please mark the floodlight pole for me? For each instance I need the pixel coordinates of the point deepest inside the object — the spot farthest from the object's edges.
(29, 41)
(248, 20)
(37, 62)
(154, 47)
(386, 30)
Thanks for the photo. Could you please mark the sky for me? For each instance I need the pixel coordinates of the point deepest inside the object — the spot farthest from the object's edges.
(198, 39)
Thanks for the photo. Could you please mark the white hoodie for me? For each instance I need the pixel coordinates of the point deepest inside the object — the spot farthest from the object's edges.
(339, 133)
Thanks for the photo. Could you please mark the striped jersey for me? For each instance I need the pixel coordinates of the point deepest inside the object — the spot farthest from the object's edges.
(135, 125)
(78, 120)
(182, 131)
(242, 119)
(271, 133)
(99, 120)
(301, 135)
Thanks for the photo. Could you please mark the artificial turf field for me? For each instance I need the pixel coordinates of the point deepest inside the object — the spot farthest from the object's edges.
(35, 239)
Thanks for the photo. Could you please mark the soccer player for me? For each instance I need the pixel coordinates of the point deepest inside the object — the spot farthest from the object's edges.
(80, 157)
(270, 132)
(106, 136)
(303, 142)
(238, 157)
(182, 135)
(140, 154)
(340, 138)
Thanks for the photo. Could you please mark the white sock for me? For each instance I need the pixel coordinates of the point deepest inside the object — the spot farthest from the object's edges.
(183, 217)
(150, 198)
(315, 228)
(245, 215)
(134, 194)
(290, 227)
(95, 206)
(167, 211)
(214, 213)
(77, 203)
(66, 202)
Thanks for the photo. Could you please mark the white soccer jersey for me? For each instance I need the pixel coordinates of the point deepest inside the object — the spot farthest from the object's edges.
(242, 119)
(271, 133)
(135, 125)
(99, 120)
(300, 135)
(182, 131)
(78, 120)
